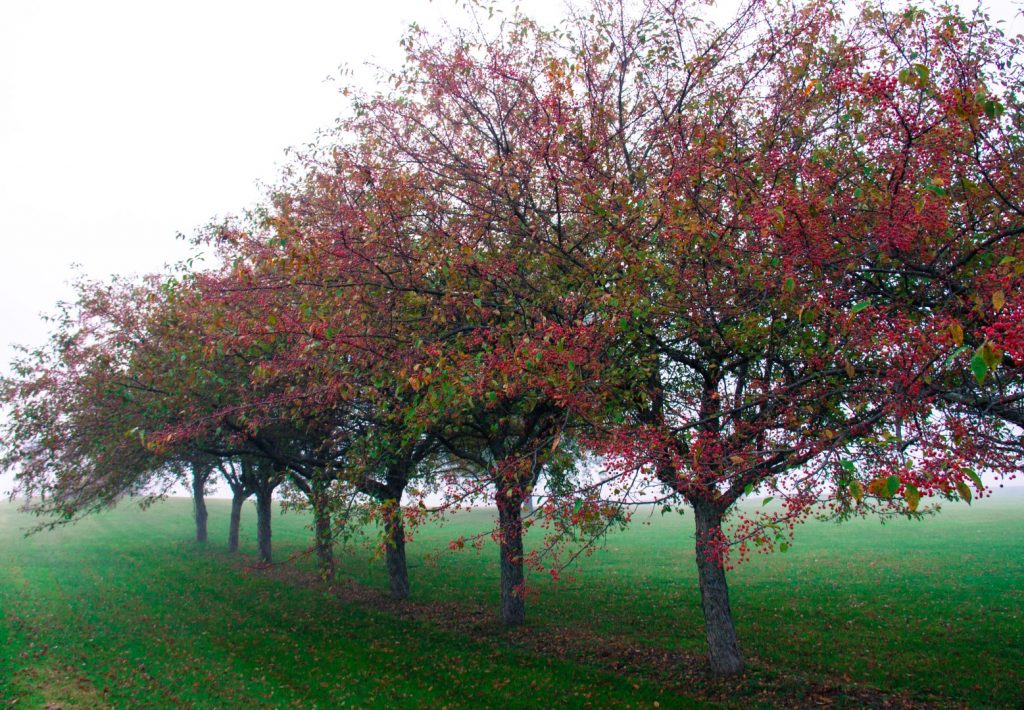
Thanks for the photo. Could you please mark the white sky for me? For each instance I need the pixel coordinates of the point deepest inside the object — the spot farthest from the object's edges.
(123, 123)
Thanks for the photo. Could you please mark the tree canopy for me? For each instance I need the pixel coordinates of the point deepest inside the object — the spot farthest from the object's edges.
(774, 255)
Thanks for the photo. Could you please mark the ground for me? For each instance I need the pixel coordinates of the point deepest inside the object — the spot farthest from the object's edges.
(123, 609)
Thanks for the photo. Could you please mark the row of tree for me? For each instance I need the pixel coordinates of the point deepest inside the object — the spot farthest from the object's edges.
(775, 255)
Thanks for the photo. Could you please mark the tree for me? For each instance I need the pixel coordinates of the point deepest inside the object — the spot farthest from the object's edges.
(779, 331)
(201, 474)
(242, 486)
(442, 265)
(326, 364)
(77, 432)
(777, 254)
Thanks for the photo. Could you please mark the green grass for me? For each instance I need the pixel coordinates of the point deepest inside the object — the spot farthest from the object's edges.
(123, 610)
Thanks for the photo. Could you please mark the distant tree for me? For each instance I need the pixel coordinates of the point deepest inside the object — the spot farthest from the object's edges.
(76, 437)
(242, 486)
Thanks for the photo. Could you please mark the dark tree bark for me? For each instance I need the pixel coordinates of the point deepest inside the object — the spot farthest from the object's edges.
(323, 533)
(513, 603)
(515, 455)
(315, 486)
(237, 500)
(264, 509)
(723, 646)
(240, 476)
(199, 477)
(389, 494)
(398, 572)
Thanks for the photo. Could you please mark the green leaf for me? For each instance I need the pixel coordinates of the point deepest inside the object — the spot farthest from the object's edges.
(957, 353)
(848, 466)
(975, 478)
(911, 15)
(784, 547)
(978, 367)
(993, 109)
(789, 285)
(858, 307)
(767, 500)
(892, 484)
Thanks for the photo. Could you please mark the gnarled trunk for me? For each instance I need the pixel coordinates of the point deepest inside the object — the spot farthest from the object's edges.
(324, 536)
(199, 501)
(237, 499)
(723, 647)
(513, 603)
(398, 572)
(264, 505)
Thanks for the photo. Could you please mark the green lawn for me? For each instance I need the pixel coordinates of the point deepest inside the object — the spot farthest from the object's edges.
(124, 610)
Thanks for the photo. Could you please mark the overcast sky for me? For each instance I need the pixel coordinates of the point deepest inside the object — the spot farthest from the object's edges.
(125, 123)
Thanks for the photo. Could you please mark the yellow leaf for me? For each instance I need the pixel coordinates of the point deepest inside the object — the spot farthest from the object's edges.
(964, 490)
(738, 460)
(998, 300)
(913, 497)
(879, 487)
(556, 441)
(991, 355)
(856, 491)
(957, 332)
(850, 372)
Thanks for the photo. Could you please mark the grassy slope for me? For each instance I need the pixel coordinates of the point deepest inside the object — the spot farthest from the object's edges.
(122, 609)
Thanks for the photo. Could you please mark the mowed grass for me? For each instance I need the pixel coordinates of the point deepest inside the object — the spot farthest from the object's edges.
(124, 610)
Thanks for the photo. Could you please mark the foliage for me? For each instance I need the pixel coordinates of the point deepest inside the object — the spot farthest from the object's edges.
(776, 254)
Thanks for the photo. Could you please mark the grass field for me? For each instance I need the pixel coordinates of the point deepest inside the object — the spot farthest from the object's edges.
(123, 610)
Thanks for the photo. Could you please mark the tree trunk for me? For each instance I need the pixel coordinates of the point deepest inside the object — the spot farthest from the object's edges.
(324, 537)
(398, 572)
(723, 647)
(198, 493)
(236, 520)
(264, 506)
(513, 603)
